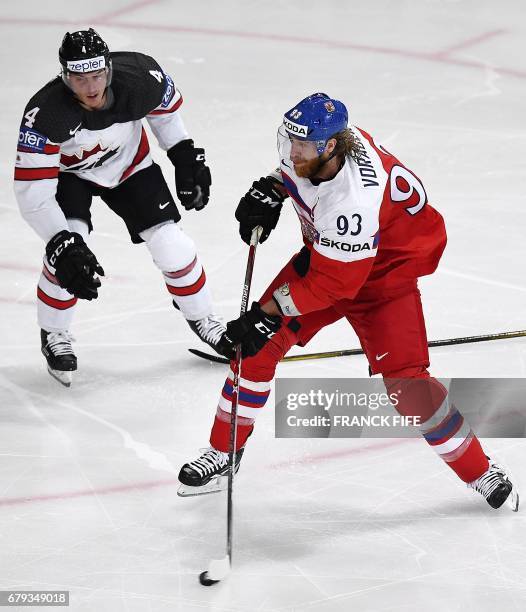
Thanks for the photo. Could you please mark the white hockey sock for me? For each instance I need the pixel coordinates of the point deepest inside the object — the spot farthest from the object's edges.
(174, 253)
(253, 396)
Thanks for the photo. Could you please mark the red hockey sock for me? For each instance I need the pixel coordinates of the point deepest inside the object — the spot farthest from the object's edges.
(423, 396)
(472, 463)
(220, 435)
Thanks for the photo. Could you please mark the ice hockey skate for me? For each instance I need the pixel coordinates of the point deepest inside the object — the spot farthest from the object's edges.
(61, 360)
(207, 474)
(496, 487)
(211, 330)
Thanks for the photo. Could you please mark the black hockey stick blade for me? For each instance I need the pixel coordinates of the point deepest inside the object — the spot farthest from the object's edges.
(208, 356)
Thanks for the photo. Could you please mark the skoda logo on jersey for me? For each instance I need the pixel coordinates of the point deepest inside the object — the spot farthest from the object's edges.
(86, 65)
(345, 246)
(295, 128)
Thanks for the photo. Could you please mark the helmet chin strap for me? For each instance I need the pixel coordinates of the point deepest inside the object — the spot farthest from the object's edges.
(326, 161)
(331, 156)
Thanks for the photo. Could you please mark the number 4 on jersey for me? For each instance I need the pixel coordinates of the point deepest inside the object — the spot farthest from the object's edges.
(403, 185)
(30, 116)
(157, 74)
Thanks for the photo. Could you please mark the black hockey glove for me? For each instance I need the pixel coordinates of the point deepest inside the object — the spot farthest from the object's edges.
(252, 330)
(261, 205)
(192, 176)
(75, 265)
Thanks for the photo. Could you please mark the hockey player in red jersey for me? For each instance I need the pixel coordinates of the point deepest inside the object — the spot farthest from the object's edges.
(82, 135)
(369, 233)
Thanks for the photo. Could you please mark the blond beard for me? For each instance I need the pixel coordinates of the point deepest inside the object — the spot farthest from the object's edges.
(310, 168)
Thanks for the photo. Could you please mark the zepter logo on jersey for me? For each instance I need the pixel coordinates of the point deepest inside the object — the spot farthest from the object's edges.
(295, 128)
(168, 92)
(86, 65)
(31, 140)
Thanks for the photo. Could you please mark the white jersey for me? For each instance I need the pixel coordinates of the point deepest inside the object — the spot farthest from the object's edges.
(340, 217)
(104, 147)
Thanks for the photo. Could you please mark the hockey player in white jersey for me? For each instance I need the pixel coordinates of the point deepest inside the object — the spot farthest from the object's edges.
(82, 135)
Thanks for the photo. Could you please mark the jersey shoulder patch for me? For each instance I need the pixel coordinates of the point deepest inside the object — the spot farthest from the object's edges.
(139, 81)
(52, 113)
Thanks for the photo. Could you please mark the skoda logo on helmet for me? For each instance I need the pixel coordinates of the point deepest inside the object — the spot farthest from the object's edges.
(295, 128)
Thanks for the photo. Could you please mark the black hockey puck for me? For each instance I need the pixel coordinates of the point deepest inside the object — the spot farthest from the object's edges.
(205, 580)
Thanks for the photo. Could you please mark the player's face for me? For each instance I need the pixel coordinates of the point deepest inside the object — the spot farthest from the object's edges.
(302, 151)
(305, 157)
(303, 154)
(90, 87)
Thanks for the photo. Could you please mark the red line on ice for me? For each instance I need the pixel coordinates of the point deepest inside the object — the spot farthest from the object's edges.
(436, 57)
(139, 486)
(346, 452)
(142, 486)
(125, 10)
(470, 42)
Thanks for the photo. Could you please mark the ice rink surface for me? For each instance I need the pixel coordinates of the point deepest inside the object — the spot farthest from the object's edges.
(88, 475)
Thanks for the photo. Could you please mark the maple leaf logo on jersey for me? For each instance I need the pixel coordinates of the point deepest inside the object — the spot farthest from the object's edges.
(85, 160)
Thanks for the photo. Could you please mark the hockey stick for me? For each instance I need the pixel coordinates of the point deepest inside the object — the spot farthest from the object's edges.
(357, 351)
(219, 568)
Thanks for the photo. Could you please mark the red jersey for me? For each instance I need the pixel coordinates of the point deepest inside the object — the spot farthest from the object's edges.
(369, 225)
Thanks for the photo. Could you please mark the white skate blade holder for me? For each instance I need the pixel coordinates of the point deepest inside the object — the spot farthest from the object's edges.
(216, 485)
(513, 500)
(218, 569)
(63, 377)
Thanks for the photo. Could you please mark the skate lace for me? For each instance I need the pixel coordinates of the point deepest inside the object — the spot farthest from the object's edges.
(209, 461)
(60, 343)
(489, 481)
(210, 328)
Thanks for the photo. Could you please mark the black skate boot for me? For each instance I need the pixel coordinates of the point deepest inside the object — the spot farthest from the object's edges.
(207, 474)
(496, 487)
(61, 360)
(211, 330)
